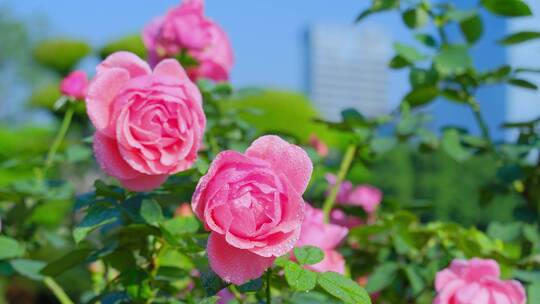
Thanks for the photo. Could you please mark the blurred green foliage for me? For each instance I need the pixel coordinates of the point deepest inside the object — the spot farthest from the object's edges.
(61, 55)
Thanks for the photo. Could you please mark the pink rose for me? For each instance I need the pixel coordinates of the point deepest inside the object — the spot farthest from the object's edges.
(185, 28)
(365, 196)
(74, 85)
(325, 236)
(149, 124)
(318, 145)
(252, 204)
(476, 281)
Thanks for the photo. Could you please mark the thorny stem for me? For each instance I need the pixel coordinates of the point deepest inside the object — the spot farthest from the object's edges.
(343, 170)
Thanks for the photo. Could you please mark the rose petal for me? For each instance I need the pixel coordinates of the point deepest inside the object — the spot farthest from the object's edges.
(130, 62)
(232, 264)
(290, 160)
(101, 93)
(144, 182)
(109, 158)
(171, 68)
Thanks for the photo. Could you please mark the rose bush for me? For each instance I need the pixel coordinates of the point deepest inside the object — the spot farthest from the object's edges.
(186, 218)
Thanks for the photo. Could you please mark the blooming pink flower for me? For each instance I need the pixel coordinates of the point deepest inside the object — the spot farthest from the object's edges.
(318, 145)
(325, 236)
(365, 196)
(74, 85)
(476, 281)
(185, 28)
(149, 124)
(252, 204)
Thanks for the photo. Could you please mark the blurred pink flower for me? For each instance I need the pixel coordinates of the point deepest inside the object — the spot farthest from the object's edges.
(324, 236)
(74, 85)
(318, 145)
(225, 296)
(252, 204)
(186, 28)
(365, 196)
(184, 210)
(149, 124)
(476, 281)
(339, 217)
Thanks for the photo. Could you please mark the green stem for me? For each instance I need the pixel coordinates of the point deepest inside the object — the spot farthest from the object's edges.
(343, 170)
(59, 137)
(57, 291)
(268, 286)
(482, 124)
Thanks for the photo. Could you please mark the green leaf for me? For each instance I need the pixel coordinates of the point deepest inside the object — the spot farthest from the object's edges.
(299, 278)
(472, 28)
(520, 37)
(408, 53)
(28, 268)
(533, 292)
(382, 276)
(181, 225)
(453, 59)
(413, 273)
(451, 144)
(10, 248)
(423, 77)
(426, 40)
(377, 6)
(398, 62)
(96, 217)
(210, 300)
(212, 283)
(131, 43)
(455, 95)
(78, 153)
(460, 15)
(61, 55)
(508, 8)
(528, 276)
(151, 211)
(415, 17)
(343, 288)
(308, 255)
(522, 83)
(421, 95)
(66, 262)
(253, 285)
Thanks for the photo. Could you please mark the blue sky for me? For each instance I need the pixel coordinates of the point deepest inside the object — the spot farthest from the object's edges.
(266, 35)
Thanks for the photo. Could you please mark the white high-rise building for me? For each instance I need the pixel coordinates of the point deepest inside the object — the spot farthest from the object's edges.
(347, 68)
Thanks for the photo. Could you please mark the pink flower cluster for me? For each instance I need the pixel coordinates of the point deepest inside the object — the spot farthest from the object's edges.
(324, 236)
(476, 281)
(186, 29)
(365, 196)
(252, 204)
